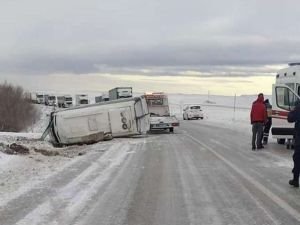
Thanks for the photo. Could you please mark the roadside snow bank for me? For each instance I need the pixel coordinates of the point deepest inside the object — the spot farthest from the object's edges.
(14, 136)
(19, 173)
(238, 119)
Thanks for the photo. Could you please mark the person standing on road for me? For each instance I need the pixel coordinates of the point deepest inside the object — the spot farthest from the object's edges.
(294, 116)
(268, 124)
(258, 117)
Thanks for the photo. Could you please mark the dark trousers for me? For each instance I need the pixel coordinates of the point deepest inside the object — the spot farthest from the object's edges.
(257, 134)
(267, 128)
(296, 159)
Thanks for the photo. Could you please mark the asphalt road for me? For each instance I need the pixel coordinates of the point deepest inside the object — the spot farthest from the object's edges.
(201, 174)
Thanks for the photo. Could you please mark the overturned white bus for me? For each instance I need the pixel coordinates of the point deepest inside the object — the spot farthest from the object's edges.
(88, 124)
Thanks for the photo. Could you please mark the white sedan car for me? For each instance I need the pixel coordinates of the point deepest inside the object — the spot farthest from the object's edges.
(193, 112)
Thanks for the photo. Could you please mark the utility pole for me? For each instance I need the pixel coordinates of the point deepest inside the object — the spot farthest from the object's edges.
(234, 103)
(208, 96)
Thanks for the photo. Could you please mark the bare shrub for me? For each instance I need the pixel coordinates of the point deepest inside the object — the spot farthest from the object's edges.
(16, 111)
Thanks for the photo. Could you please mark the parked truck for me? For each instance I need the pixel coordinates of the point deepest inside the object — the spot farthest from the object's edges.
(285, 92)
(89, 123)
(68, 101)
(120, 92)
(31, 97)
(61, 101)
(50, 100)
(160, 118)
(41, 98)
(105, 97)
(98, 99)
(65, 101)
(81, 99)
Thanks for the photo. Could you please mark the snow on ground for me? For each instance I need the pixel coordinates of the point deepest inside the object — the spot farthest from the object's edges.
(244, 101)
(19, 173)
(221, 113)
(43, 120)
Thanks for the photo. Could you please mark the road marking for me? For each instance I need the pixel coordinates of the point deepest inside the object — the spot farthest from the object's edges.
(279, 201)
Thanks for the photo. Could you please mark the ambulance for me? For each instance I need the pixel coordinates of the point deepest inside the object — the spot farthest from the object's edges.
(285, 92)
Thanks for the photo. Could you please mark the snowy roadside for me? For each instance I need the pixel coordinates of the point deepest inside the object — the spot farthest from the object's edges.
(21, 173)
(39, 160)
(238, 119)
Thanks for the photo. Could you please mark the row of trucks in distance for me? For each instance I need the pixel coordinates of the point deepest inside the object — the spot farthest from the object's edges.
(67, 101)
(120, 117)
(61, 101)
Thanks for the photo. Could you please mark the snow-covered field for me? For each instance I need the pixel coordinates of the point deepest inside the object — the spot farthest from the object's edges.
(19, 173)
(220, 111)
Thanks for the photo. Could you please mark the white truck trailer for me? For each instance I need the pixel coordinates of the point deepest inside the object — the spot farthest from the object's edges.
(31, 97)
(61, 101)
(285, 92)
(105, 97)
(41, 98)
(51, 100)
(88, 124)
(68, 101)
(160, 118)
(65, 101)
(81, 99)
(98, 99)
(120, 92)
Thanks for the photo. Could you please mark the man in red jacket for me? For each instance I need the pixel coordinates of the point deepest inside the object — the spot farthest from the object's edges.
(258, 117)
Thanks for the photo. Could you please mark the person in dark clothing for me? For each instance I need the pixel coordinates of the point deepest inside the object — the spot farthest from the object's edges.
(294, 116)
(258, 117)
(268, 124)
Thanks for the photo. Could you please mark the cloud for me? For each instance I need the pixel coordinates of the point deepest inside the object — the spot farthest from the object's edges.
(162, 60)
(201, 39)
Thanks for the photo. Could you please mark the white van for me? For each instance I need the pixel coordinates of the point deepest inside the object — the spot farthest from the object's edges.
(193, 112)
(286, 91)
(86, 124)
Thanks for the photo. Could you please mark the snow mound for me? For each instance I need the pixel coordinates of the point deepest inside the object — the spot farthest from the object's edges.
(42, 122)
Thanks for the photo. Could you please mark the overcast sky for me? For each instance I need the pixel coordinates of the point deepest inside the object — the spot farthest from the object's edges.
(192, 46)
